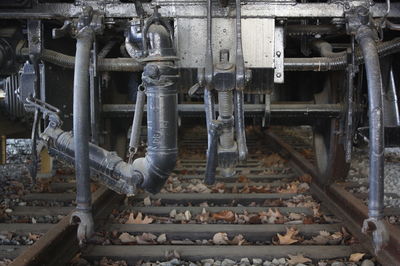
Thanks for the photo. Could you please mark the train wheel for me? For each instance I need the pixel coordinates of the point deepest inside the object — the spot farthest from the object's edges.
(329, 152)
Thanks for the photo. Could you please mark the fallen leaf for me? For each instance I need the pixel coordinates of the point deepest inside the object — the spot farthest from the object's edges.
(287, 239)
(204, 216)
(188, 215)
(305, 178)
(225, 215)
(356, 257)
(147, 201)
(273, 160)
(220, 239)
(295, 216)
(33, 237)
(245, 189)
(296, 259)
(146, 239)
(172, 213)
(290, 188)
(243, 179)
(238, 240)
(161, 239)
(139, 219)
(127, 238)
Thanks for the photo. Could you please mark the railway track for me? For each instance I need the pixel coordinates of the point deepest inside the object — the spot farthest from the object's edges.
(270, 213)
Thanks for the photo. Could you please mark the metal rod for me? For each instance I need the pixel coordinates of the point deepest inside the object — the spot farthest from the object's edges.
(137, 120)
(365, 37)
(277, 110)
(81, 132)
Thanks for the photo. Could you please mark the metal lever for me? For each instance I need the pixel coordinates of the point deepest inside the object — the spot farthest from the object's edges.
(212, 152)
(240, 83)
(64, 30)
(137, 122)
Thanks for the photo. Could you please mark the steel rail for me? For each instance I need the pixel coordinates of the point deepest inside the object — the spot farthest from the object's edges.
(61, 240)
(345, 205)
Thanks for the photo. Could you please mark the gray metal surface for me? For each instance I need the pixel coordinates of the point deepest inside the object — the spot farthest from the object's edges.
(257, 35)
(255, 9)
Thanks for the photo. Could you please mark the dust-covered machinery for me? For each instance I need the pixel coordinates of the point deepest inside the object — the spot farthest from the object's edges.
(90, 66)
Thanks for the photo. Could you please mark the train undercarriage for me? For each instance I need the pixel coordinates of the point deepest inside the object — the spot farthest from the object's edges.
(83, 75)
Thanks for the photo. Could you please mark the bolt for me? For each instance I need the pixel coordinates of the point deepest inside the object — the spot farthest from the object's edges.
(278, 75)
(278, 54)
(152, 71)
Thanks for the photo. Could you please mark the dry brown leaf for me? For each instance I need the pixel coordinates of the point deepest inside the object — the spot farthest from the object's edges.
(147, 201)
(337, 235)
(33, 237)
(273, 160)
(243, 179)
(225, 215)
(296, 259)
(219, 187)
(220, 239)
(204, 216)
(356, 257)
(127, 238)
(305, 178)
(295, 216)
(238, 240)
(245, 189)
(288, 239)
(139, 219)
(161, 239)
(146, 239)
(290, 188)
(259, 189)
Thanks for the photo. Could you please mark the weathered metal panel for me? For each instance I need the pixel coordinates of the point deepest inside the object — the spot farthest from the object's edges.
(258, 41)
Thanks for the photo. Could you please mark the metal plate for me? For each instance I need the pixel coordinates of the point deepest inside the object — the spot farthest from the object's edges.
(257, 34)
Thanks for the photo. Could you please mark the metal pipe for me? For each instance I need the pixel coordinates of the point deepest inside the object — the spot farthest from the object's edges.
(376, 129)
(337, 62)
(81, 118)
(239, 125)
(137, 119)
(277, 109)
(162, 121)
(366, 38)
(81, 132)
(325, 49)
(109, 169)
(103, 64)
(159, 78)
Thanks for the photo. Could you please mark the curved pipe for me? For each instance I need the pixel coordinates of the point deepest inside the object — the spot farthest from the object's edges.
(325, 49)
(365, 38)
(81, 118)
(103, 64)
(337, 62)
(159, 79)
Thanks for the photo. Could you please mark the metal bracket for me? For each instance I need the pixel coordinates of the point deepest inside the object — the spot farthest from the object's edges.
(279, 55)
(380, 233)
(35, 37)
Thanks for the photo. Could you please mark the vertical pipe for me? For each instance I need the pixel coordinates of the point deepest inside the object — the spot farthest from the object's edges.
(376, 127)
(81, 119)
(137, 119)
